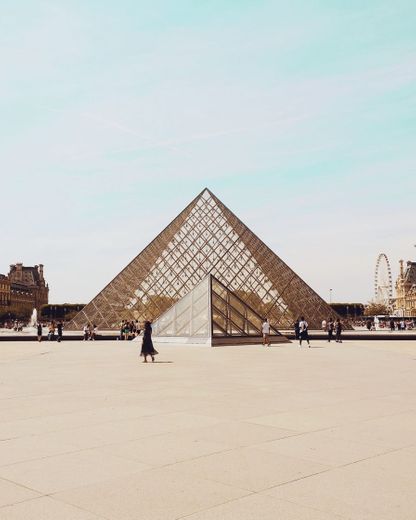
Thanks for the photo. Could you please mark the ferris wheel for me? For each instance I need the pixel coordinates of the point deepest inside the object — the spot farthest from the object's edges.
(383, 283)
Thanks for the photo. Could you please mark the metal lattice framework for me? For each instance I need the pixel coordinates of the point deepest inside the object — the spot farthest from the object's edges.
(383, 281)
(205, 238)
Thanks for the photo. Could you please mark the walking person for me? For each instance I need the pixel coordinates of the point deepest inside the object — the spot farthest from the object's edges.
(147, 343)
(265, 329)
(338, 331)
(303, 331)
(330, 329)
(59, 328)
(296, 327)
(39, 327)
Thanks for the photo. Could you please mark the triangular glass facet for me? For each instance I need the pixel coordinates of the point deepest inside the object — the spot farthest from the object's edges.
(189, 317)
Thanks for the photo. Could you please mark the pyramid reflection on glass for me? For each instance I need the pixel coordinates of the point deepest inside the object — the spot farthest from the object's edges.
(205, 238)
(211, 314)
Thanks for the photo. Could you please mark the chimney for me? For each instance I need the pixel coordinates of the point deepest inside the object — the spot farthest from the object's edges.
(19, 271)
(41, 271)
(401, 262)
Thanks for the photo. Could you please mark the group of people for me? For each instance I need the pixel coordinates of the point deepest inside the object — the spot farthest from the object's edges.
(383, 323)
(301, 327)
(55, 331)
(331, 327)
(129, 329)
(90, 331)
(17, 326)
(400, 325)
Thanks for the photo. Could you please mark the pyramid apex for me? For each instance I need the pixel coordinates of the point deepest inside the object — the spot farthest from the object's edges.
(206, 190)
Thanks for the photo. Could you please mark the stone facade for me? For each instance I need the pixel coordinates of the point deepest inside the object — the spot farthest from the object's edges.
(405, 302)
(4, 291)
(24, 287)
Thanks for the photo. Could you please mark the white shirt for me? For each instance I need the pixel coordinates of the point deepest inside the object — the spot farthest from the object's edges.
(265, 328)
(303, 325)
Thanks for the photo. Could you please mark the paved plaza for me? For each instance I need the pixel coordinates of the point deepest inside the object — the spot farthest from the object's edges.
(89, 432)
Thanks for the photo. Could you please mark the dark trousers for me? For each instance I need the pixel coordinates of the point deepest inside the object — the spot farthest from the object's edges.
(330, 334)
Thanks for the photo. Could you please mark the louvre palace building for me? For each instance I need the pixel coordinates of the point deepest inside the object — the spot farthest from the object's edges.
(23, 288)
(405, 302)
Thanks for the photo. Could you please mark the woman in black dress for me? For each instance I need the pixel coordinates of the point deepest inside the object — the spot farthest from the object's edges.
(147, 344)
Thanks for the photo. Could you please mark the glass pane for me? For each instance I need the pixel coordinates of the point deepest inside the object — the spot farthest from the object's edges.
(220, 304)
(237, 323)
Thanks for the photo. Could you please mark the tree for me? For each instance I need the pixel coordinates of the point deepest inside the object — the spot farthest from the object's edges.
(20, 312)
(376, 309)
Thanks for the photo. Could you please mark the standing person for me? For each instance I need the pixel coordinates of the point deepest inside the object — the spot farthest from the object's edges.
(94, 331)
(136, 328)
(131, 330)
(51, 333)
(324, 325)
(303, 331)
(59, 328)
(147, 343)
(39, 331)
(338, 330)
(265, 329)
(392, 325)
(126, 330)
(296, 327)
(330, 329)
(122, 330)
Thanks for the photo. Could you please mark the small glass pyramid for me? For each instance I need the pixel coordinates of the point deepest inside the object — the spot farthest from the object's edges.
(211, 314)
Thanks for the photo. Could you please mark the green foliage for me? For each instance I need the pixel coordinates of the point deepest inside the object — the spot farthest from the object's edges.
(376, 309)
(16, 312)
(64, 311)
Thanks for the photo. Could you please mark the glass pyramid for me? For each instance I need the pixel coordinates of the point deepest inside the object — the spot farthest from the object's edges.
(205, 238)
(210, 313)
(189, 317)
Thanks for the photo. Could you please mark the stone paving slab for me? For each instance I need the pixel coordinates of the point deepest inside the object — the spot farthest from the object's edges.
(88, 432)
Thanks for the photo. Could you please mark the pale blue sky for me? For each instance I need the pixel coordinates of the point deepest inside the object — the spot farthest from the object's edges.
(300, 116)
